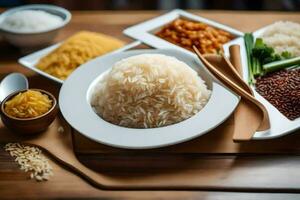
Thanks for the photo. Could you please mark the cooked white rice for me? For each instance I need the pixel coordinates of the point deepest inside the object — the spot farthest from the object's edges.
(283, 36)
(149, 90)
(28, 21)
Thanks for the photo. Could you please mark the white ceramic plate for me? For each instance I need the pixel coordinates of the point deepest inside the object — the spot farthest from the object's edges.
(145, 30)
(280, 125)
(74, 101)
(31, 60)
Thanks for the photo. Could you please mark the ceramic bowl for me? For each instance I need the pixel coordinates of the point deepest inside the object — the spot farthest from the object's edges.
(75, 100)
(34, 39)
(29, 125)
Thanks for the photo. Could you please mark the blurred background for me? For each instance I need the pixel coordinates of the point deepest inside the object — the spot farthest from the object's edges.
(272, 5)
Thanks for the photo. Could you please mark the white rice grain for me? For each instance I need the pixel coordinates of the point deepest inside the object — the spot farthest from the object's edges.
(149, 90)
(283, 36)
(30, 159)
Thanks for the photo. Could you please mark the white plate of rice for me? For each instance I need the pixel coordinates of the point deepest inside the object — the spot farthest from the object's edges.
(143, 99)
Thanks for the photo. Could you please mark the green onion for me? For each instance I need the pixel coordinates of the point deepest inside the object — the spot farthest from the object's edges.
(248, 39)
(277, 65)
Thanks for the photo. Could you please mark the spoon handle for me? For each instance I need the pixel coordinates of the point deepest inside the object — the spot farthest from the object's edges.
(236, 66)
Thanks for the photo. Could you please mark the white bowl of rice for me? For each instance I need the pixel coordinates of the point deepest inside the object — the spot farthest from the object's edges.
(142, 99)
(149, 91)
(33, 26)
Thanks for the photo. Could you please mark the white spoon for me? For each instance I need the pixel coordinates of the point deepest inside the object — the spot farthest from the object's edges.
(12, 83)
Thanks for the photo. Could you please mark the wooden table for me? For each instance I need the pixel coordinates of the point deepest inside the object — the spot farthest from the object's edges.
(13, 182)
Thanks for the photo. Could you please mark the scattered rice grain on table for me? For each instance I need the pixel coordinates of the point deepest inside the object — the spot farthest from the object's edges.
(60, 129)
(30, 159)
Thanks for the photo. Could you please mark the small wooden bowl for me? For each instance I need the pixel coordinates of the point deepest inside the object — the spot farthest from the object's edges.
(29, 125)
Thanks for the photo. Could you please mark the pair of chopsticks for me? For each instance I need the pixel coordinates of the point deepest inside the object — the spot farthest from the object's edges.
(257, 113)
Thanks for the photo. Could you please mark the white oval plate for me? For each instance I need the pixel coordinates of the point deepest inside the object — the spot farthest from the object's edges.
(280, 125)
(74, 102)
(145, 31)
(31, 60)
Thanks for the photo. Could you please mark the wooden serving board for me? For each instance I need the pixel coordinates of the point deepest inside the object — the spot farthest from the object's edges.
(216, 143)
(181, 167)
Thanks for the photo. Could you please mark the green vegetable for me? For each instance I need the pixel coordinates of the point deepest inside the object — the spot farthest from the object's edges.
(277, 65)
(286, 55)
(262, 59)
(264, 53)
(256, 53)
(248, 39)
(272, 58)
(293, 67)
(261, 51)
(256, 66)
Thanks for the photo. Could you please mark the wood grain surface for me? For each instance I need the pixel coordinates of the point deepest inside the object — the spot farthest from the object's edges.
(283, 169)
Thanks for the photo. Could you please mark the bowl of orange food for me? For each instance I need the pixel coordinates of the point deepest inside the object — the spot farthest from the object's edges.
(29, 111)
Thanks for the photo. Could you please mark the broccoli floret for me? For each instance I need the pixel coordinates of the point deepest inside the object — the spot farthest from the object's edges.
(272, 58)
(286, 55)
(266, 54)
(261, 51)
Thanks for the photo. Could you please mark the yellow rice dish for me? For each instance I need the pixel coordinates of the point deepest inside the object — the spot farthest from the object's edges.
(76, 50)
(28, 104)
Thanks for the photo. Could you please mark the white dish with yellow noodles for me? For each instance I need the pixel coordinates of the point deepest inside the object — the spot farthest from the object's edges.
(77, 93)
(31, 61)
